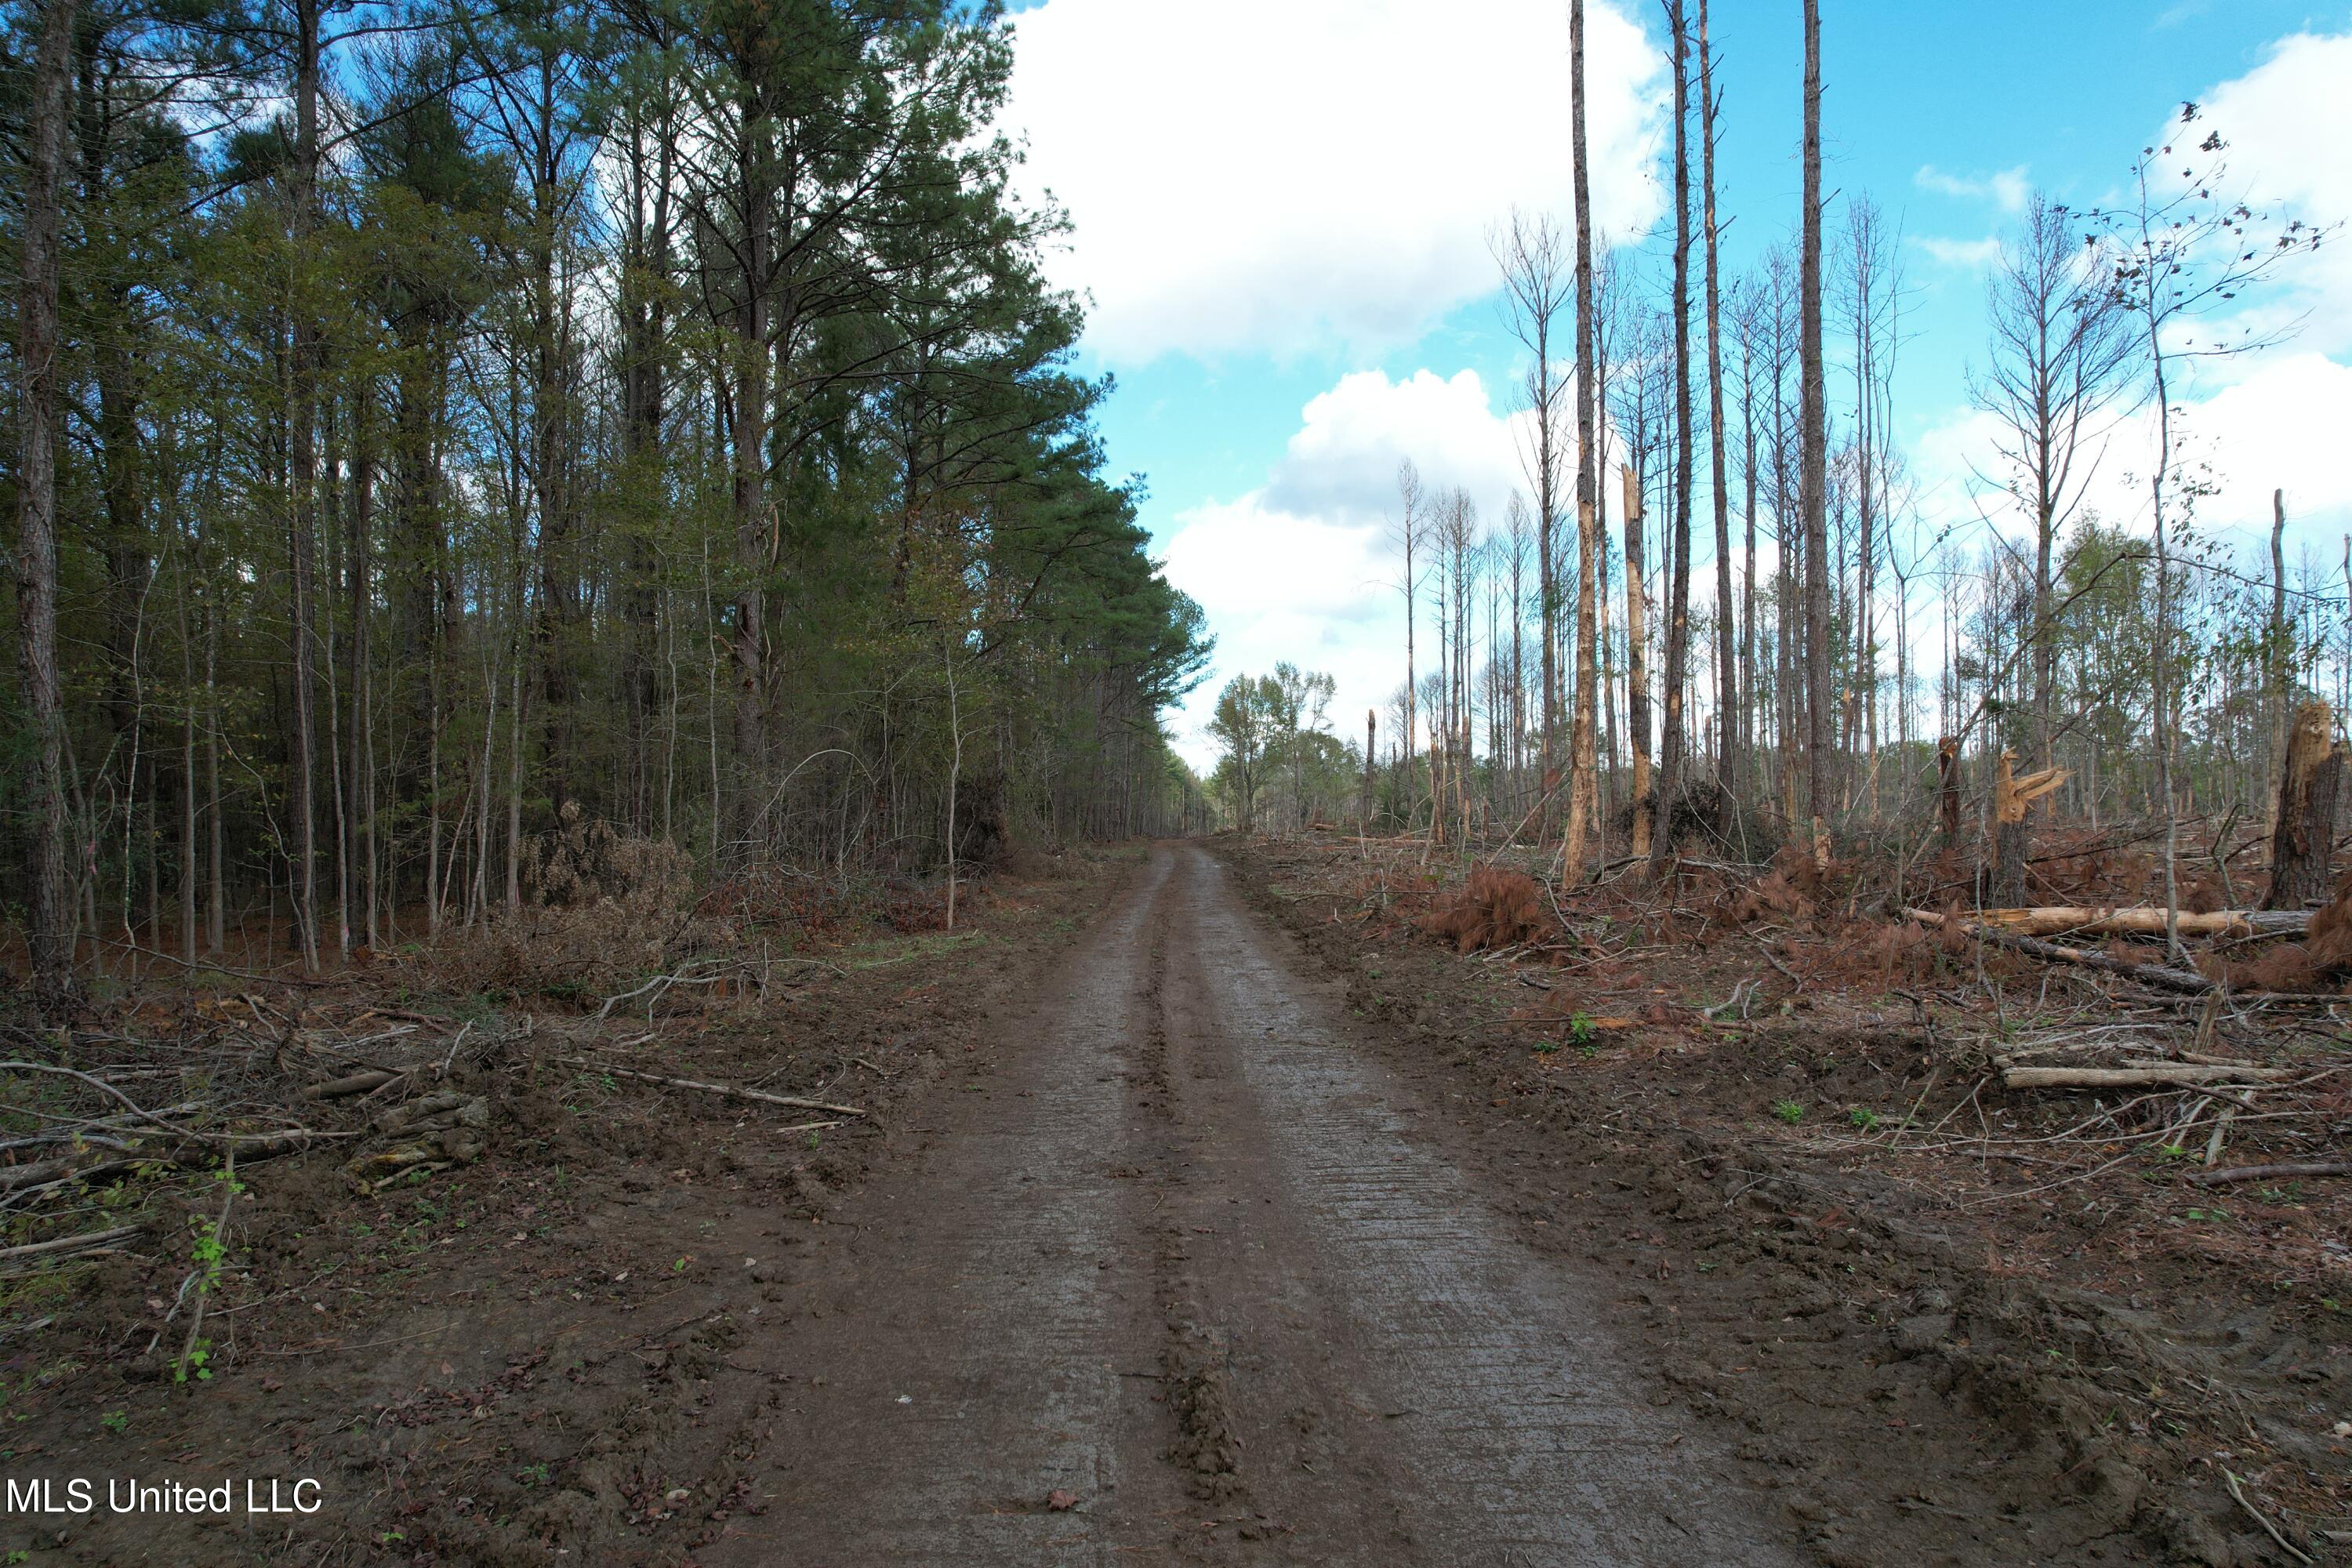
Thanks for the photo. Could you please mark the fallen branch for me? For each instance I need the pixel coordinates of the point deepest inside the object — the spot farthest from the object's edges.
(107, 1089)
(732, 1092)
(2185, 1075)
(2237, 1491)
(2267, 1172)
(82, 1243)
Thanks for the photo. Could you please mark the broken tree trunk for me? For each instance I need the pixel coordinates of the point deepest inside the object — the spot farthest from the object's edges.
(2301, 847)
(2052, 919)
(2013, 798)
(2273, 1172)
(1947, 775)
(2183, 1075)
(2156, 974)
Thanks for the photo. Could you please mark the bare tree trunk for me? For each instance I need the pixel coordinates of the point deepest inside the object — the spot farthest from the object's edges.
(1813, 443)
(1947, 788)
(1583, 792)
(1727, 730)
(302, 483)
(2012, 800)
(53, 982)
(2303, 845)
(1637, 673)
(2277, 668)
(1673, 743)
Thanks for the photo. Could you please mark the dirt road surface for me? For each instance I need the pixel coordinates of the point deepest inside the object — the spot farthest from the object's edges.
(1190, 1280)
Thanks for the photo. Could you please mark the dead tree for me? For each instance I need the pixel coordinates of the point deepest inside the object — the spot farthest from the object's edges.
(1673, 737)
(2302, 848)
(2012, 799)
(1637, 667)
(1584, 788)
(1947, 787)
(1814, 450)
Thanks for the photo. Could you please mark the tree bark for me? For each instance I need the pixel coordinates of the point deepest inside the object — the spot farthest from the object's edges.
(2303, 845)
(1813, 444)
(1637, 673)
(54, 988)
(1672, 743)
(2275, 667)
(2013, 797)
(1584, 790)
(1947, 788)
(1727, 695)
(302, 481)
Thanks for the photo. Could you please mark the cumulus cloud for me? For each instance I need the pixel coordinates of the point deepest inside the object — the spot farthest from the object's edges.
(1967, 254)
(1305, 567)
(2278, 122)
(2253, 422)
(2007, 188)
(1316, 174)
(2275, 428)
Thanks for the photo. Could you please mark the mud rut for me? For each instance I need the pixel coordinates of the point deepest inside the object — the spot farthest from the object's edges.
(1191, 1263)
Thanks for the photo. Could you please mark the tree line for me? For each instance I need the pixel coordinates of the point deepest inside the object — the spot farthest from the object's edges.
(437, 422)
(1566, 682)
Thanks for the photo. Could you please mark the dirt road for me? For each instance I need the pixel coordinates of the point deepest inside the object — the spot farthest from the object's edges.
(1188, 1278)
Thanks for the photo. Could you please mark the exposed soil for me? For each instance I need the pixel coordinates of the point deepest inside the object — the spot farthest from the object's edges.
(1986, 1360)
(1199, 1222)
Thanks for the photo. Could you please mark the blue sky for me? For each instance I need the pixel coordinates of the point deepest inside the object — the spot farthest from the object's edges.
(1280, 209)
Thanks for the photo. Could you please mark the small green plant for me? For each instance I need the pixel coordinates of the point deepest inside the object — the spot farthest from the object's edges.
(115, 1420)
(537, 1475)
(1788, 1110)
(1581, 1028)
(1545, 1047)
(678, 1267)
(1864, 1117)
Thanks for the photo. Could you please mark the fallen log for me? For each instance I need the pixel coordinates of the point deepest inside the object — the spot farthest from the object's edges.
(354, 1083)
(2142, 920)
(728, 1089)
(2156, 974)
(2184, 1075)
(2266, 1173)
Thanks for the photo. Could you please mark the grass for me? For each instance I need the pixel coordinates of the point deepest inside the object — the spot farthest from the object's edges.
(906, 949)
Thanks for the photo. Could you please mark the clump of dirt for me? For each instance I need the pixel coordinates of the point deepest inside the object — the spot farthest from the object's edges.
(1206, 1450)
(1496, 908)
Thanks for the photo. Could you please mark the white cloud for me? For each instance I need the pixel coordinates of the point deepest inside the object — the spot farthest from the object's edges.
(2279, 122)
(1291, 176)
(1304, 568)
(2250, 423)
(2007, 188)
(2277, 426)
(1342, 462)
(1967, 254)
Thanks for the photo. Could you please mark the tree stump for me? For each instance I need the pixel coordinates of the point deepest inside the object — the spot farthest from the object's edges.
(2013, 798)
(2301, 849)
